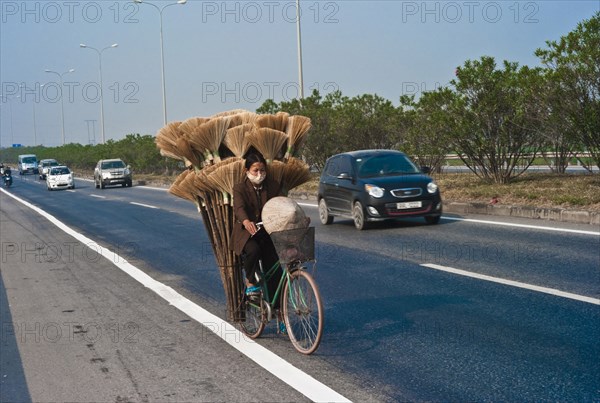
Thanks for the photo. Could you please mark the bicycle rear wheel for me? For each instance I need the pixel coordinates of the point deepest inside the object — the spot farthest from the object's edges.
(303, 312)
(254, 322)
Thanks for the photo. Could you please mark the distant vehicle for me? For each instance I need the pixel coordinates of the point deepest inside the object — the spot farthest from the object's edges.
(375, 185)
(6, 173)
(28, 164)
(45, 165)
(112, 172)
(60, 177)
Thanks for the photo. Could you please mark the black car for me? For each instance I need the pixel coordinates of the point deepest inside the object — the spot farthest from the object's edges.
(374, 185)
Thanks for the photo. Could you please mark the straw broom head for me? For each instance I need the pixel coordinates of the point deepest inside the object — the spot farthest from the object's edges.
(207, 137)
(267, 141)
(179, 188)
(295, 173)
(235, 139)
(241, 119)
(186, 151)
(277, 121)
(229, 113)
(297, 130)
(275, 170)
(202, 180)
(226, 176)
(166, 140)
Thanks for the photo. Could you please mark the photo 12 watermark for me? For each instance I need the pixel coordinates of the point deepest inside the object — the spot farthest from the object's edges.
(257, 92)
(253, 12)
(72, 91)
(54, 12)
(454, 12)
(66, 332)
(67, 252)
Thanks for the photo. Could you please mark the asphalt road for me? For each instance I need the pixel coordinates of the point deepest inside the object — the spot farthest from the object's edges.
(398, 328)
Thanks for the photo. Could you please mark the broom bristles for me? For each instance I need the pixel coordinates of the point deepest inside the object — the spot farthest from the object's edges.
(277, 121)
(236, 141)
(226, 176)
(267, 141)
(166, 140)
(296, 172)
(275, 170)
(229, 113)
(207, 137)
(185, 150)
(297, 130)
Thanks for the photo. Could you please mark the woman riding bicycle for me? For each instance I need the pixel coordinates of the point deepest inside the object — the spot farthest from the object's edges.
(249, 197)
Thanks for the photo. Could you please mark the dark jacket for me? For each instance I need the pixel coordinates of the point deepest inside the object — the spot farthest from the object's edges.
(245, 206)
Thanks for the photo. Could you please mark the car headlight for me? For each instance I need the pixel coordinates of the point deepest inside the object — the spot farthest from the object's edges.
(374, 191)
(432, 187)
(126, 171)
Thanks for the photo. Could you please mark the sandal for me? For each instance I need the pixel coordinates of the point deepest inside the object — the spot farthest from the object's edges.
(252, 290)
(282, 328)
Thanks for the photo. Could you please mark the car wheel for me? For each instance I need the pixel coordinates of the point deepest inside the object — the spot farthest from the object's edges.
(324, 215)
(129, 183)
(102, 185)
(358, 215)
(49, 189)
(432, 219)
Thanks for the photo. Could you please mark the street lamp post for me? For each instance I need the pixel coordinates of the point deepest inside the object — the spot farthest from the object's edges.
(162, 51)
(33, 105)
(62, 103)
(300, 78)
(99, 52)
(12, 141)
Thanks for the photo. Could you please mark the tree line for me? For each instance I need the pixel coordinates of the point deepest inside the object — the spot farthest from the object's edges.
(496, 117)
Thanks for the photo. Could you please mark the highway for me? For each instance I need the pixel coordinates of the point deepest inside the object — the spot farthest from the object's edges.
(471, 309)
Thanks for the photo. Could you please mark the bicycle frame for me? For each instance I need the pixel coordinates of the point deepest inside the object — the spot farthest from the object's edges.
(263, 279)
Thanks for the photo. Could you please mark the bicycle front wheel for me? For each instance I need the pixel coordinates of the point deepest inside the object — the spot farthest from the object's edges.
(303, 312)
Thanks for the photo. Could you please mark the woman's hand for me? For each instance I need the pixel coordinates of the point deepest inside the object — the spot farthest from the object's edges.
(250, 227)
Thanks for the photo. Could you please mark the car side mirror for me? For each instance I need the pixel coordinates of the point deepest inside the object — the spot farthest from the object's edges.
(128, 166)
(344, 175)
(425, 170)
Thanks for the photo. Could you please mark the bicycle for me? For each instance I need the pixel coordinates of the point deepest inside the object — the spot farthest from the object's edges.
(300, 302)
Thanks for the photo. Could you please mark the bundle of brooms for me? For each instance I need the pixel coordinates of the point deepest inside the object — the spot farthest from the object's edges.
(213, 150)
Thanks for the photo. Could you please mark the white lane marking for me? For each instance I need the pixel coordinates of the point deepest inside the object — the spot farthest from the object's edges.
(574, 231)
(297, 379)
(512, 283)
(98, 196)
(143, 205)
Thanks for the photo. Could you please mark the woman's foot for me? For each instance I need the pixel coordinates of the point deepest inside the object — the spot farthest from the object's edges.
(252, 290)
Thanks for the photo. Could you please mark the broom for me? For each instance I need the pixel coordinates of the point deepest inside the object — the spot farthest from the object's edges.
(295, 173)
(241, 119)
(230, 113)
(267, 141)
(297, 130)
(275, 170)
(235, 139)
(277, 121)
(166, 140)
(208, 137)
(180, 190)
(191, 129)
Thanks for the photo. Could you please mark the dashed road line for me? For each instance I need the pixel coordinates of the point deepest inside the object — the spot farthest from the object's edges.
(512, 283)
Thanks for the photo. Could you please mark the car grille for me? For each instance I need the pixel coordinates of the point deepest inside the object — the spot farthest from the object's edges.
(408, 192)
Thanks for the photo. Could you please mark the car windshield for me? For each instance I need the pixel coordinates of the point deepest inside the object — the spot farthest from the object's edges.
(60, 171)
(385, 165)
(113, 164)
(29, 160)
(50, 163)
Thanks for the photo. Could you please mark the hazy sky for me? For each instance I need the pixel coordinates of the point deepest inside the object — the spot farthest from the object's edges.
(222, 55)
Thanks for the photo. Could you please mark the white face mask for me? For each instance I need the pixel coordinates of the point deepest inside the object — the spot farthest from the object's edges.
(256, 179)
